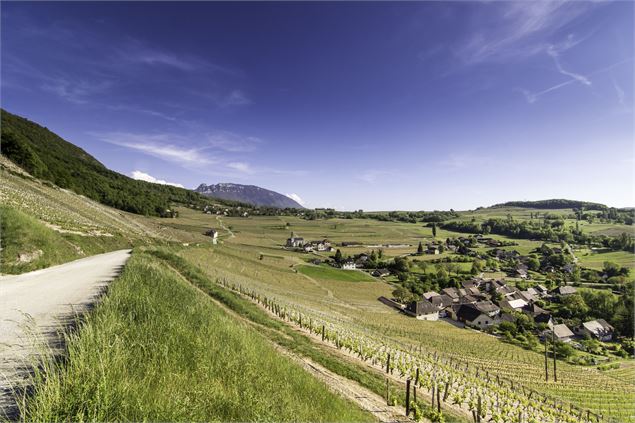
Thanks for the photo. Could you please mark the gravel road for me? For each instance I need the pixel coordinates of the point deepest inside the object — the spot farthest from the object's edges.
(35, 305)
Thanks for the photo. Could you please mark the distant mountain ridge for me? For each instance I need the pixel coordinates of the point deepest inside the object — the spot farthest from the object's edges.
(553, 204)
(250, 194)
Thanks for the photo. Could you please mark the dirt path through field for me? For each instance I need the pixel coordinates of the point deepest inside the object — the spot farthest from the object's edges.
(364, 398)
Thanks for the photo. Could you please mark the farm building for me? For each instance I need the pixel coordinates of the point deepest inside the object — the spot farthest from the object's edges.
(599, 329)
(423, 310)
(213, 233)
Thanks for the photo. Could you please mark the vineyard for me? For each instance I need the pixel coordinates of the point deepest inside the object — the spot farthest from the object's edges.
(353, 306)
(487, 397)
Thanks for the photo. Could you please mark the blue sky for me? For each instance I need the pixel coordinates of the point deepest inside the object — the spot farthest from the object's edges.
(378, 106)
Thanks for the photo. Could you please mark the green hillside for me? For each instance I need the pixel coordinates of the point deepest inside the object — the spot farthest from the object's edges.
(48, 157)
(553, 204)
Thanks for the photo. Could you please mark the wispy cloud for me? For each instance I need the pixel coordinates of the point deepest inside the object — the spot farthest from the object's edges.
(554, 52)
(618, 91)
(519, 29)
(163, 146)
(231, 142)
(78, 91)
(297, 199)
(241, 167)
(142, 176)
(372, 175)
(532, 97)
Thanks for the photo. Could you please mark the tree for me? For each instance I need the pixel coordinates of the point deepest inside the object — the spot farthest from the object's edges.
(434, 230)
(477, 267)
(338, 256)
(401, 294)
(573, 306)
(420, 248)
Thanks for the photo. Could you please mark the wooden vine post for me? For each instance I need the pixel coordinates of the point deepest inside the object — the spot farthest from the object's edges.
(323, 329)
(407, 397)
(388, 364)
(546, 363)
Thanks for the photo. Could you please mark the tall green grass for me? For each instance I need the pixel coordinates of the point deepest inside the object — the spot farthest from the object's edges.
(21, 233)
(284, 335)
(157, 349)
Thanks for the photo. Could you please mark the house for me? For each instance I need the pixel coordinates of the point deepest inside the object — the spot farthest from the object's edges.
(468, 299)
(307, 248)
(542, 290)
(472, 316)
(561, 332)
(442, 301)
(380, 273)
(213, 233)
(599, 329)
(452, 293)
(565, 290)
(513, 304)
(487, 307)
(430, 294)
(349, 265)
(521, 271)
(432, 249)
(544, 318)
(423, 310)
(320, 245)
(295, 241)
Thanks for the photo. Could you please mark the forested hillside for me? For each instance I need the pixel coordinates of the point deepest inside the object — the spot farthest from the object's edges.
(47, 156)
(553, 204)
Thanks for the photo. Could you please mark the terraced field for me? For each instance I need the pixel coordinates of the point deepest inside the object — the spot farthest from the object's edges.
(45, 225)
(355, 306)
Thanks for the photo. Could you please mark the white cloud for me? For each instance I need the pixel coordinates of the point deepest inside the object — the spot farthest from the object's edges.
(517, 29)
(163, 146)
(554, 52)
(371, 176)
(142, 176)
(235, 98)
(241, 167)
(231, 142)
(297, 199)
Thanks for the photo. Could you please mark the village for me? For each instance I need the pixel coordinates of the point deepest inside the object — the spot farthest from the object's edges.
(523, 312)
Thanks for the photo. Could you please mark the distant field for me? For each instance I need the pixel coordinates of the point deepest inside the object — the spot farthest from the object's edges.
(331, 273)
(595, 260)
(356, 304)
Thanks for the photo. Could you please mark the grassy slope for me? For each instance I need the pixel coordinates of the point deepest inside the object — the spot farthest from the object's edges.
(23, 234)
(157, 349)
(65, 226)
(331, 273)
(356, 305)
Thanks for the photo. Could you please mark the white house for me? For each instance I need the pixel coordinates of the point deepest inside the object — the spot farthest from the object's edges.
(349, 265)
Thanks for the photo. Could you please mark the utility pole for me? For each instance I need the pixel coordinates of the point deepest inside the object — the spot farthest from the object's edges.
(553, 342)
